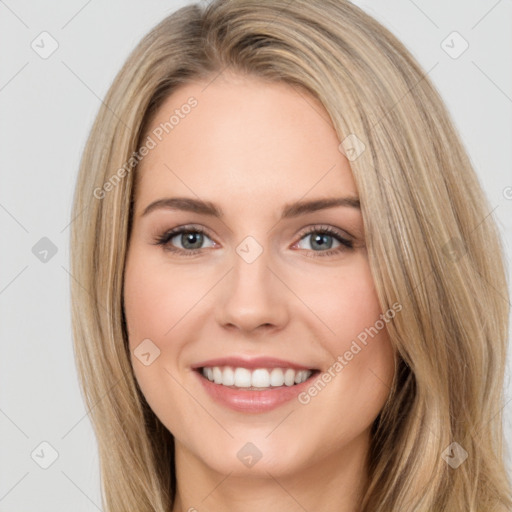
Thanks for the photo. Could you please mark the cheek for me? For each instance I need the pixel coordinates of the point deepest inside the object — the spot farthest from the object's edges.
(360, 376)
(155, 299)
(151, 310)
(344, 300)
(362, 340)
(358, 304)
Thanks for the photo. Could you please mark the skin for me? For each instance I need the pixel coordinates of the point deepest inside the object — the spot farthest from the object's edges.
(252, 147)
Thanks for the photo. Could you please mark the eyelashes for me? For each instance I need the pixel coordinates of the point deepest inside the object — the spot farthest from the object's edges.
(326, 231)
(165, 239)
(197, 233)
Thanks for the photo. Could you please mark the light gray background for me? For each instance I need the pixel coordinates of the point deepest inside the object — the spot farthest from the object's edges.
(47, 108)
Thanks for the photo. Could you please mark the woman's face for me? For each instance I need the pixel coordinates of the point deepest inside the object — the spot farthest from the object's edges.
(267, 292)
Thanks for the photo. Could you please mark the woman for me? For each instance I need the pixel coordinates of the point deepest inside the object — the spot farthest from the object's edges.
(253, 369)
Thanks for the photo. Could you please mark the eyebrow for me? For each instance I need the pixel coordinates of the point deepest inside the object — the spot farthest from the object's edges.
(289, 211)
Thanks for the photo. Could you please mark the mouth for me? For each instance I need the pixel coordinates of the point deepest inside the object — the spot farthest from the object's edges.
(259, 379)
(253, 385)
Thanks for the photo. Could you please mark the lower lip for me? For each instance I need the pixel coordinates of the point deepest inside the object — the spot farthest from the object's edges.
(246, 400)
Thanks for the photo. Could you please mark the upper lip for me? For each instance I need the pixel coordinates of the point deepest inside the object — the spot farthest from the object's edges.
(251, 363)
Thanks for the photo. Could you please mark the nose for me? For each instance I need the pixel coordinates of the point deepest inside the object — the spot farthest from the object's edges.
(253, 298)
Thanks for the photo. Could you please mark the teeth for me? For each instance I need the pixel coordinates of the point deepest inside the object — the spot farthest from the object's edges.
(276, 377)
(228, 376)
(260, 378)
(289, 377)
(217, 375)
(242, 378)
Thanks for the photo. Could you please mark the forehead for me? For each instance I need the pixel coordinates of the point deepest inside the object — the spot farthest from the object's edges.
(242, 135)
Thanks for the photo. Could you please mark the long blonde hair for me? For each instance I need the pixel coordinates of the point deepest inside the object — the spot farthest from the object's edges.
(432, 247)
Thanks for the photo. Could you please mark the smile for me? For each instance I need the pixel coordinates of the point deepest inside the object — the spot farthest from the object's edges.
(253, 385)
(256, 379)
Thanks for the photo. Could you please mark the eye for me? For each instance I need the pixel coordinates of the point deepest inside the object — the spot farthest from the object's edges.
(321, 240)
(189, 240)
(184, 240)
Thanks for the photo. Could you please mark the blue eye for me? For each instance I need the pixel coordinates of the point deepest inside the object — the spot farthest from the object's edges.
(323, 238)
(191, 239)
